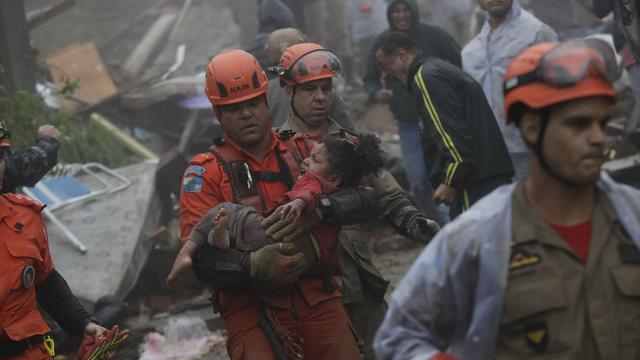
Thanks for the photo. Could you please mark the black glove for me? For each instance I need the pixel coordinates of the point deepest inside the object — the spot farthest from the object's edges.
(420, 229)
(349, 206)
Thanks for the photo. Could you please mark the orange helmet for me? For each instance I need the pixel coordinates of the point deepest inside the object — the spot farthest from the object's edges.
(306, 62)
(234, 76)
(4, 136)
(551, 73)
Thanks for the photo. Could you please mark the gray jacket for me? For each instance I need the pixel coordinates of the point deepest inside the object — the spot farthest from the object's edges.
(488, 56)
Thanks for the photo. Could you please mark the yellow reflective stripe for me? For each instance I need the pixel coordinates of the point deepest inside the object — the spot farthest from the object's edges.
(426, 98)
(453, 167)
(436, 119)
(448, 173)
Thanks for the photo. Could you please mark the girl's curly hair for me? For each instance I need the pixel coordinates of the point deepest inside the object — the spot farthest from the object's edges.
(354, 158)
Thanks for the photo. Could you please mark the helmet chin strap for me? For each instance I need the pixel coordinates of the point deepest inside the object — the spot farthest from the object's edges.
(538, 150)
(293, 107)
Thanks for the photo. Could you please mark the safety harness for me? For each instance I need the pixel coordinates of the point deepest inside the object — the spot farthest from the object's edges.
(243, 179)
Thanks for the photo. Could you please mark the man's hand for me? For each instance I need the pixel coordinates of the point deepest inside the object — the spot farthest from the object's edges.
(101, 346)
(384, 96)
(292, 210)
(274, 266)
(95, 330)
(420, 229)
(50, 131)
(444, 194)
(287, 231)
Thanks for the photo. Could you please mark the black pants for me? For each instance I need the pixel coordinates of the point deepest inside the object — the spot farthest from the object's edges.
(469, 195)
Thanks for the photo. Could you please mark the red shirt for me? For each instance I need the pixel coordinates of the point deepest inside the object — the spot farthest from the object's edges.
(577, 236)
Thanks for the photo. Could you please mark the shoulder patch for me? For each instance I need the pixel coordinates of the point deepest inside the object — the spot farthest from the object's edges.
(202, 158)
(195, 170)
(192, 184)
(24, 200)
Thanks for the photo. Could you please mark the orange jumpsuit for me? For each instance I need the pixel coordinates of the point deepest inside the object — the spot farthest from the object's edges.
(26, 262)
(305, 307)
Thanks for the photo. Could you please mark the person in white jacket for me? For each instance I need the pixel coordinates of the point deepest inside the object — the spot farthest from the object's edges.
(507, 31)
(545, 268)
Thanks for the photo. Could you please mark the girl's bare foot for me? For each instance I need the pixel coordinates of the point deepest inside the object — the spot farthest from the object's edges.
(182, 263)
(219, 236)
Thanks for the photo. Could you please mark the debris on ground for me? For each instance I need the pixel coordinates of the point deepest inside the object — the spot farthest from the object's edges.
(185, 338)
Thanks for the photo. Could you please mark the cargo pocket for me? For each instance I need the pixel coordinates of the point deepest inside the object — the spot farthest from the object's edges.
(20, 312)
(627, 281)
(532, 324)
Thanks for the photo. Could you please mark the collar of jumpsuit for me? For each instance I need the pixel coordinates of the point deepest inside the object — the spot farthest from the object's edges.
(275, 142)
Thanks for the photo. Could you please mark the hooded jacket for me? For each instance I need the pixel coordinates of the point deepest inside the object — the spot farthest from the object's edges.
(452, 297)
(430, 39)
(272, 15)
(488, 56)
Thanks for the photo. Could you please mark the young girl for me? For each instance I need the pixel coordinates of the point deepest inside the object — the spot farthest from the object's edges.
(333, 163)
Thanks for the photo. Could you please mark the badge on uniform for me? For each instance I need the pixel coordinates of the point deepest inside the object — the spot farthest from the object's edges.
(28, 276)
(195, 170)
(521, 259)
(192, 184)
(537, 336)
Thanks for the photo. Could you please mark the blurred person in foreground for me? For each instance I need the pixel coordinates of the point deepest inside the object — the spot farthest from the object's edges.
(545, 268)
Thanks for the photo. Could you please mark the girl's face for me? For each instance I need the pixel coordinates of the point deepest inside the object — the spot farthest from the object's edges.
(318, 163)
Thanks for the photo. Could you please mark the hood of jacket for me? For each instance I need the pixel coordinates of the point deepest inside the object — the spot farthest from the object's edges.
(514, 12)
(413, 7)
(274, 15)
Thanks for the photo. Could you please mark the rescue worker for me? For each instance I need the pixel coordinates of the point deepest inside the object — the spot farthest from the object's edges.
(404, 16)
(469, 158)
(311, 95)
(546, 268)
(29, 278)
(27, 167)
(507, 31)
(252, 165)
(279, 104)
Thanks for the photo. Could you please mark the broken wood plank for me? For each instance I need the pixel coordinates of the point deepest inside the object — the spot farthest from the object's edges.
(83, 63)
